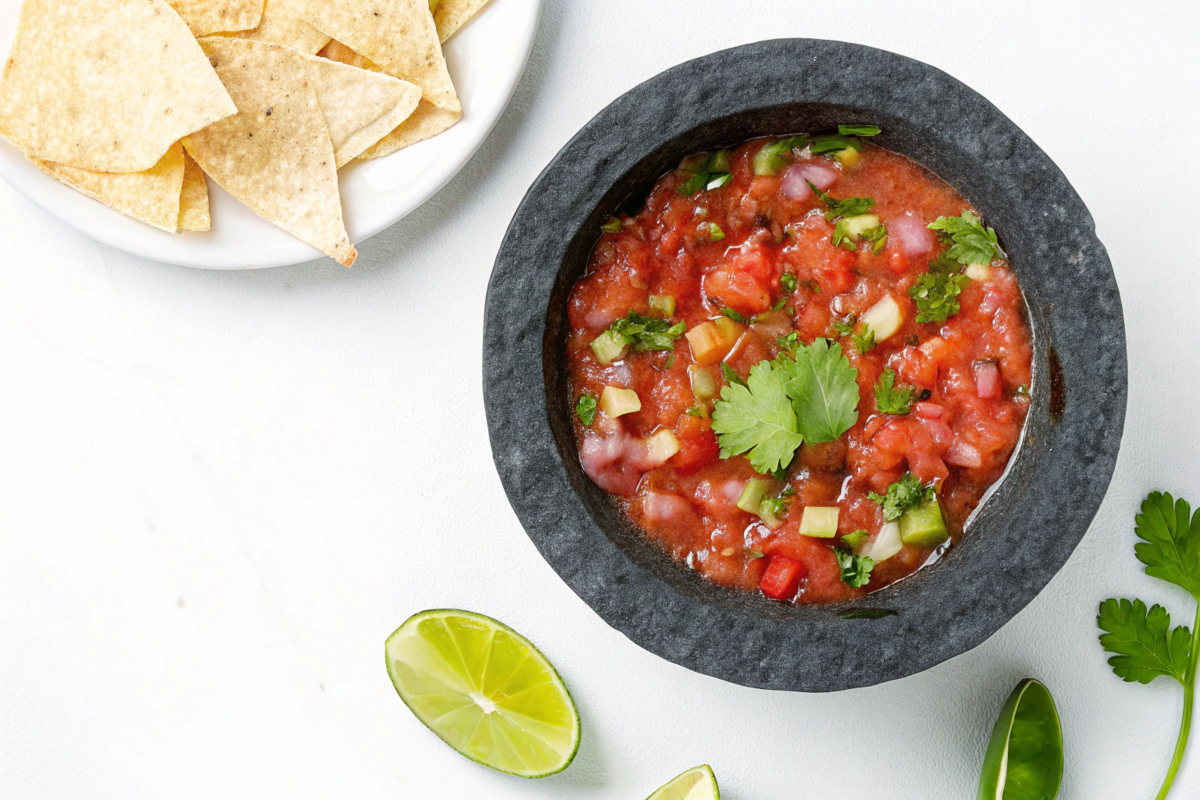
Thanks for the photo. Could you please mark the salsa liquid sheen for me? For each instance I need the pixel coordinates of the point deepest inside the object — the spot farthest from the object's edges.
(972, 372)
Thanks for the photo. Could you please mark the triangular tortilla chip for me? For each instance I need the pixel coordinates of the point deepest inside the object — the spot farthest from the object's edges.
(449, 15)
(151, 196)
(194, 216)
(427, 121)
(281, 24)
(398, 35)
(106, 85)
(336, 51)
(275, 155)
(360, 107)
(218, 16)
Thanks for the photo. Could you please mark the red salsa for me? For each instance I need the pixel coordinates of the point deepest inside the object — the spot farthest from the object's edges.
(800, 366)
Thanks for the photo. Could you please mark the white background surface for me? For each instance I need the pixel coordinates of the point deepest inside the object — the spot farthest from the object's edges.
(219, 492)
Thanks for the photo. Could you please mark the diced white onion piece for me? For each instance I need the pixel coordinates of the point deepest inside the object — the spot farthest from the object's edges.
(616, 402)
(660, 446)
(886, 543)
(883, 318)
(978, 272)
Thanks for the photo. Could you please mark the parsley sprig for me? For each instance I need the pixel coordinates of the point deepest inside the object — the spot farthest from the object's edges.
(810, 392)
(647, 333)
(1143, 643)
(906, 493)
(890, 398)
(972, 243)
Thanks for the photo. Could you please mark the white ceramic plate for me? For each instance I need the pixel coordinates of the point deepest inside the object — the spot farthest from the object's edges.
(486, 58)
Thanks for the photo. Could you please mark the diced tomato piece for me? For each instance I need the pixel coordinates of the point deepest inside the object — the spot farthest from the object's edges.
(835, 279)
(782, 578)
(738, 290)
(697, 444)
(898, 263)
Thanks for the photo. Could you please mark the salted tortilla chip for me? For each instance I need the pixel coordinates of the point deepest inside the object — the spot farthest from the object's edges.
(106, 85)
(398, 35)
(449, 15)
(151, 196)
(336, 51)
(360, 107)
(281, 24)
(275, 155)
(218, 16)
(194, 216)
(427, 121)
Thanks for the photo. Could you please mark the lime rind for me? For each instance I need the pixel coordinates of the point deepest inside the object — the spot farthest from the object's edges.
(697, 783)
(485, 690)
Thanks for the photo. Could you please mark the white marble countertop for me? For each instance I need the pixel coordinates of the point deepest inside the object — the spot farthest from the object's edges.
(219, 492)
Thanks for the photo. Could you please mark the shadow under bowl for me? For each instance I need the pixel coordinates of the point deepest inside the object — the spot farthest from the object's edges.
(1014, 543)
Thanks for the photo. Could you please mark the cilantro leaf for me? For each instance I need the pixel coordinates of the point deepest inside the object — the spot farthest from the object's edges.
(856, 570)
(1145, 646)
(731, 377)
(936, 295)
(902, 495)
(859, 130)
(972, 242)
(788, 282)
(824, 389)
(1170, 546)
(834, 141)
(736, 316)
(758, 419)
(586, 409)
(647, 333)
(834, 208)
(890, 398)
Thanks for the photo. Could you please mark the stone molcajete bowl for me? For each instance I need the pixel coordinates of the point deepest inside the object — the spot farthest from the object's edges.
(1016, 541)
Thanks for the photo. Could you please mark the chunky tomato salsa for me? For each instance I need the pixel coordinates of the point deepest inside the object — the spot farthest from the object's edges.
(800, 366)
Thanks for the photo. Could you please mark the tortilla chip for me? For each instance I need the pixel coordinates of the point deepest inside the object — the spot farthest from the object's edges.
(151, 196)
(336, 51)
(218, 16)
(398, 35)
(106, 85)
(281, 24)
(275, 155)
(449, 15)
(194, 216)
(360, 107)
(427, 121)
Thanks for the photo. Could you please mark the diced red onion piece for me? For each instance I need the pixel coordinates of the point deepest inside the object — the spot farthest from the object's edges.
(662, 507)
(987, 380)
(929, 410)
(910, 235)
(938, 431)
(795, 180)
(991, 301)
(962, 454)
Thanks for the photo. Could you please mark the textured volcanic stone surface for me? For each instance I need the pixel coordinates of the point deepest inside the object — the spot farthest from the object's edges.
(1018, 539)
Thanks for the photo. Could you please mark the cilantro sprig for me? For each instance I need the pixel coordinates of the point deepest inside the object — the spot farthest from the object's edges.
(971, 242)
(586, 409)
(906, 493)
(856, 570)
(647, 333)
(936, 292)
(810, 392)
(893, 399)
(1143, 643)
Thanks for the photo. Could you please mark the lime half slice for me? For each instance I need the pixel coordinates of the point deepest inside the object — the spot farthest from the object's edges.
(697, 783)
(485, 690)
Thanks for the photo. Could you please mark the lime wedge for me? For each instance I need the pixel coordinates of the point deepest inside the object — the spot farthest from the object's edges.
(1024, 759)
(698, 783)
(485, 690)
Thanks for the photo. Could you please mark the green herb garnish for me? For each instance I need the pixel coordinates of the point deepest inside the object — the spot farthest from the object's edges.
(850, 207)
(936, 292)
(586, 409)
(612, 226)
(731, 377)
(856, 570)
(972, 242)
(775, 154)
(647, 333)
(753, 554)
(1144, 644)
(809, 392)
(706, 176)
(890, 398)
(736, 316)
(834, 142)
(773, 506)
(788, 282)
(902, 495)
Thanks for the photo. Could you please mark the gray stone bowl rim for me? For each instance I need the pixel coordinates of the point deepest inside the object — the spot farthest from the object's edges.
(1016, 541)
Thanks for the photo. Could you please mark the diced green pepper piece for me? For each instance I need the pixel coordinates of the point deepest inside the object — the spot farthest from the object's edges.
(853, 540)
(923, 526)
(753, 494)
(609, 346)
(773, 156)
(663, 303)
(612, 226)
(771, 511)
(820, 522)
(715, 234)
(718, 161)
